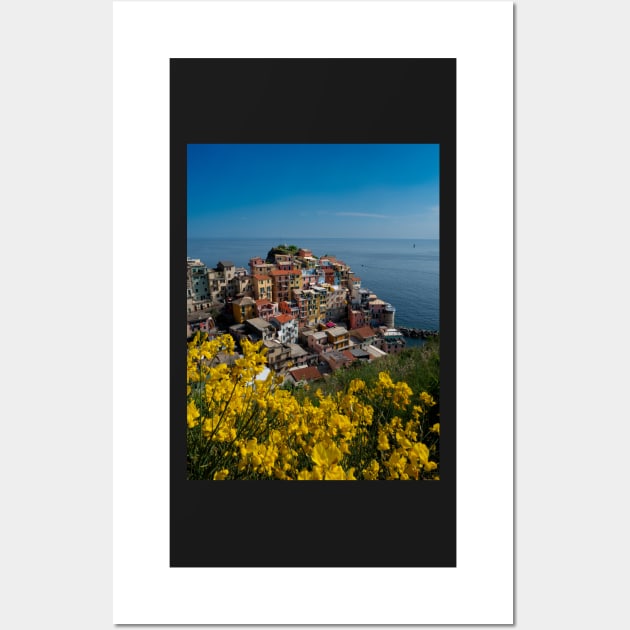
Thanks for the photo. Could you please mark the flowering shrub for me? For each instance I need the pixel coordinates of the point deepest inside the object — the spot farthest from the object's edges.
(242, 427)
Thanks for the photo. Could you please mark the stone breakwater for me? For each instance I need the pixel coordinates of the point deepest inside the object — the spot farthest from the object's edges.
(418, 333)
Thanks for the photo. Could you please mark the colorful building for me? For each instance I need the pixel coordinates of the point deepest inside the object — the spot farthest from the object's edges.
(283, 282)
(391, 341)
(266, 309)
(258, 266)
(197, 290)
(357, 318)
(338, 338)
(243, 308)
(363, 336)
(278, 355)
(260, 329)
(287, 328)
(308, 302)
(261, 287)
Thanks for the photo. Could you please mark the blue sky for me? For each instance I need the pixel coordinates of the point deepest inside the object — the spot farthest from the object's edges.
(319, 190)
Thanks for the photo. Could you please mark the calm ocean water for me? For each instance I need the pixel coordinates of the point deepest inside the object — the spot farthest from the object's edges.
(406, 276)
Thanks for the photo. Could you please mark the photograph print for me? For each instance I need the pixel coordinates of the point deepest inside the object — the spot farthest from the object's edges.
(314, 202)
(313, 312)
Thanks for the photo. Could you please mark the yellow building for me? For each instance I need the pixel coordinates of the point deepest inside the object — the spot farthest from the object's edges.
(243, 308)
(338, 338)
(309, 303)
(261, 286)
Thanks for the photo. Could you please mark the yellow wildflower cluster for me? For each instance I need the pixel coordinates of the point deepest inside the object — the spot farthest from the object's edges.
(240, 426)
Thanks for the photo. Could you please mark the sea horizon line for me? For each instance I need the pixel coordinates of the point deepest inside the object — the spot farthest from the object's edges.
(319, 238)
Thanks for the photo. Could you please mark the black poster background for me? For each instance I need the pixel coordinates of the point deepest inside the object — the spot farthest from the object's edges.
(312, 524)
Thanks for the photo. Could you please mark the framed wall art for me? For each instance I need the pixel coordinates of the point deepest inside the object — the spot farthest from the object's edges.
(317, 143)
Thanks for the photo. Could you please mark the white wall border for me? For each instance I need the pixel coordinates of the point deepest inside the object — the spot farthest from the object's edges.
(479, 35)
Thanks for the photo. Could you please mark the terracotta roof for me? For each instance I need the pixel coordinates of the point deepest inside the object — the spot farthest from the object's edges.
(261, 277)
(305, 374)
(283, 318)
(337, 356)
(285, 272)
(364, 332)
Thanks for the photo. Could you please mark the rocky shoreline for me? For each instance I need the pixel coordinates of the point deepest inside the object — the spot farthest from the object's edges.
(418, 333)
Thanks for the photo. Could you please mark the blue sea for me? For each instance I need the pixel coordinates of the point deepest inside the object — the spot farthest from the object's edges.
(403, 272)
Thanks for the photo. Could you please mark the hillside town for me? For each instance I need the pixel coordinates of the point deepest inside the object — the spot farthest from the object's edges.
(311, 313)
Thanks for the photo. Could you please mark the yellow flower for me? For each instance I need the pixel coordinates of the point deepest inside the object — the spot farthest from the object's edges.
(326, 456)
(419, 453)
(383, 442)
(356, 385)
(192, 414)
(435, 428)
(403, 440)
(427, 399)
(305, 436)
(371, 471)
(335, 473)
(250, 446)
(412, 471)
(402, 395)
(317, 475)
(396, 462)
(385, 380)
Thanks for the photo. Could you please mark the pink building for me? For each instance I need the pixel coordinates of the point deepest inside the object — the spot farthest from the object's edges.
(266, 309)
(356, 319)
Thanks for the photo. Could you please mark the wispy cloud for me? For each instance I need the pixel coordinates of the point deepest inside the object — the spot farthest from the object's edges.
(362, 214)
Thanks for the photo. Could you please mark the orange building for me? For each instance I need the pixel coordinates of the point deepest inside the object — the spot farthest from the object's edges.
(283, 282)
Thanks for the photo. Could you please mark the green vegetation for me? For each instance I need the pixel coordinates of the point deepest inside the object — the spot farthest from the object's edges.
(419, 367)
(241, 427)
(281, 249)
